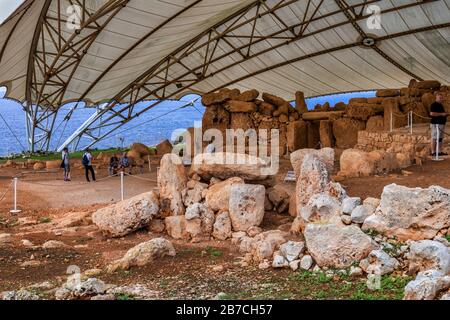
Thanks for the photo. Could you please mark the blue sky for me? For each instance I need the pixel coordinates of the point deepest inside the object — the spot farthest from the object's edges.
(7, 7)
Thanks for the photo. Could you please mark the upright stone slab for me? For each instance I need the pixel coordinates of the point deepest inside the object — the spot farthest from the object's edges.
(172, 181)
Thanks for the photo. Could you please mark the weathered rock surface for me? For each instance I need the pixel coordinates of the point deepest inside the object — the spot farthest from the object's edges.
(222, 229)
(264, 245)
(346, 132)
(336, 246)
(279, 197)
(127, 216)
(194, 194)
(379, 262)
(217, 197)
(361, 213)
(291, 250)
(326, 155)
(176, 227)
(428, 254)
(427, 285)
(172, 180)
(322, 207)
(350, 203)
(411, 213)
(246, 206)
(313, 179)
(199, 222)
(143, 254)
(225, 165)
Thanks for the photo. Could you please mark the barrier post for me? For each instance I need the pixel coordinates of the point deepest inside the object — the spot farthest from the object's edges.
(437, 142)
(15, 210)
(392, 122)
(149, 164)
(121, 186)
(411, 122)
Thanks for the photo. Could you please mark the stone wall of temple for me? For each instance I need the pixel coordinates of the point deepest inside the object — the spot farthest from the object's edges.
(325, 126)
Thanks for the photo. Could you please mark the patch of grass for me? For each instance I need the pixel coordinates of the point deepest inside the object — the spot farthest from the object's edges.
(447, 237)
(372, 233)
(44, 220)
(226, 296)
(214, 252)
(317, 285)
(57, 155)
(124, 297)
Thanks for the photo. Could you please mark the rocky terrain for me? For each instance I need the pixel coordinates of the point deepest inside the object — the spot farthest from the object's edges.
(401, 236)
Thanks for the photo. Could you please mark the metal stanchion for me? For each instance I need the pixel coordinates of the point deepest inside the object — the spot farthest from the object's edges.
(122, 196)
(392, 122)
(411, 122)
(438, 146)
(15, 210)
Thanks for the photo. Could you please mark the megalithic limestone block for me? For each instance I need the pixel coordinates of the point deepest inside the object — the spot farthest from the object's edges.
(300, 103)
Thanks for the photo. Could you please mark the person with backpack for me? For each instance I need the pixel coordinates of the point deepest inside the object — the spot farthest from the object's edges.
(65, 164)
(87, 163)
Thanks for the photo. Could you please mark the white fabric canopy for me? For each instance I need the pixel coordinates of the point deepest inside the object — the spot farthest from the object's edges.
(135, 40)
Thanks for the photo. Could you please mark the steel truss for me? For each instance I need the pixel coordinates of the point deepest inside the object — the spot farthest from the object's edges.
(227, 44)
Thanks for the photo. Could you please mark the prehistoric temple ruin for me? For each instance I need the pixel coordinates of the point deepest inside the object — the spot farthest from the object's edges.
(254, 64)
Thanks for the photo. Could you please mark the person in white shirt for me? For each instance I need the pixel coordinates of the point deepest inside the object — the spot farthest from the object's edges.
(66, 164)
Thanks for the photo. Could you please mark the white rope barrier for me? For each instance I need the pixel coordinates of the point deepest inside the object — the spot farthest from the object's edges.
(3, 196)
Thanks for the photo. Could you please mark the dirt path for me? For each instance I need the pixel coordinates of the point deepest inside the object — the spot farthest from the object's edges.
(49, 190)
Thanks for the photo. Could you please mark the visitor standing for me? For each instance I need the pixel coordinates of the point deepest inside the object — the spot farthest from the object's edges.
(438, 121)
(65, 164)
(87, 163)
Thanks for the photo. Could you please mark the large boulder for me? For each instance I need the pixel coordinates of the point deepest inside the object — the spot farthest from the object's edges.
(323, 208)
(375, 123)
(38, 166)
(358, 163)
(336, 246)
(264, 244)
(225, 165)
(411, 213)
(246, 206)
(249, 95)
(220, 96)
(279, 197)
(199, 222)
(163, 148)
(217, 196)
(379, 262)
(297, 135)
(172, 180)
(326, 155)
(362, 212)
(326, 133)
(141, 150)
(194, 192)
(176, 227)
(240, 106)
(428, 254)
(427, 285)
(127, 216)
(345, 131)
(222, 229)
(312, 179)
(143, 254)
